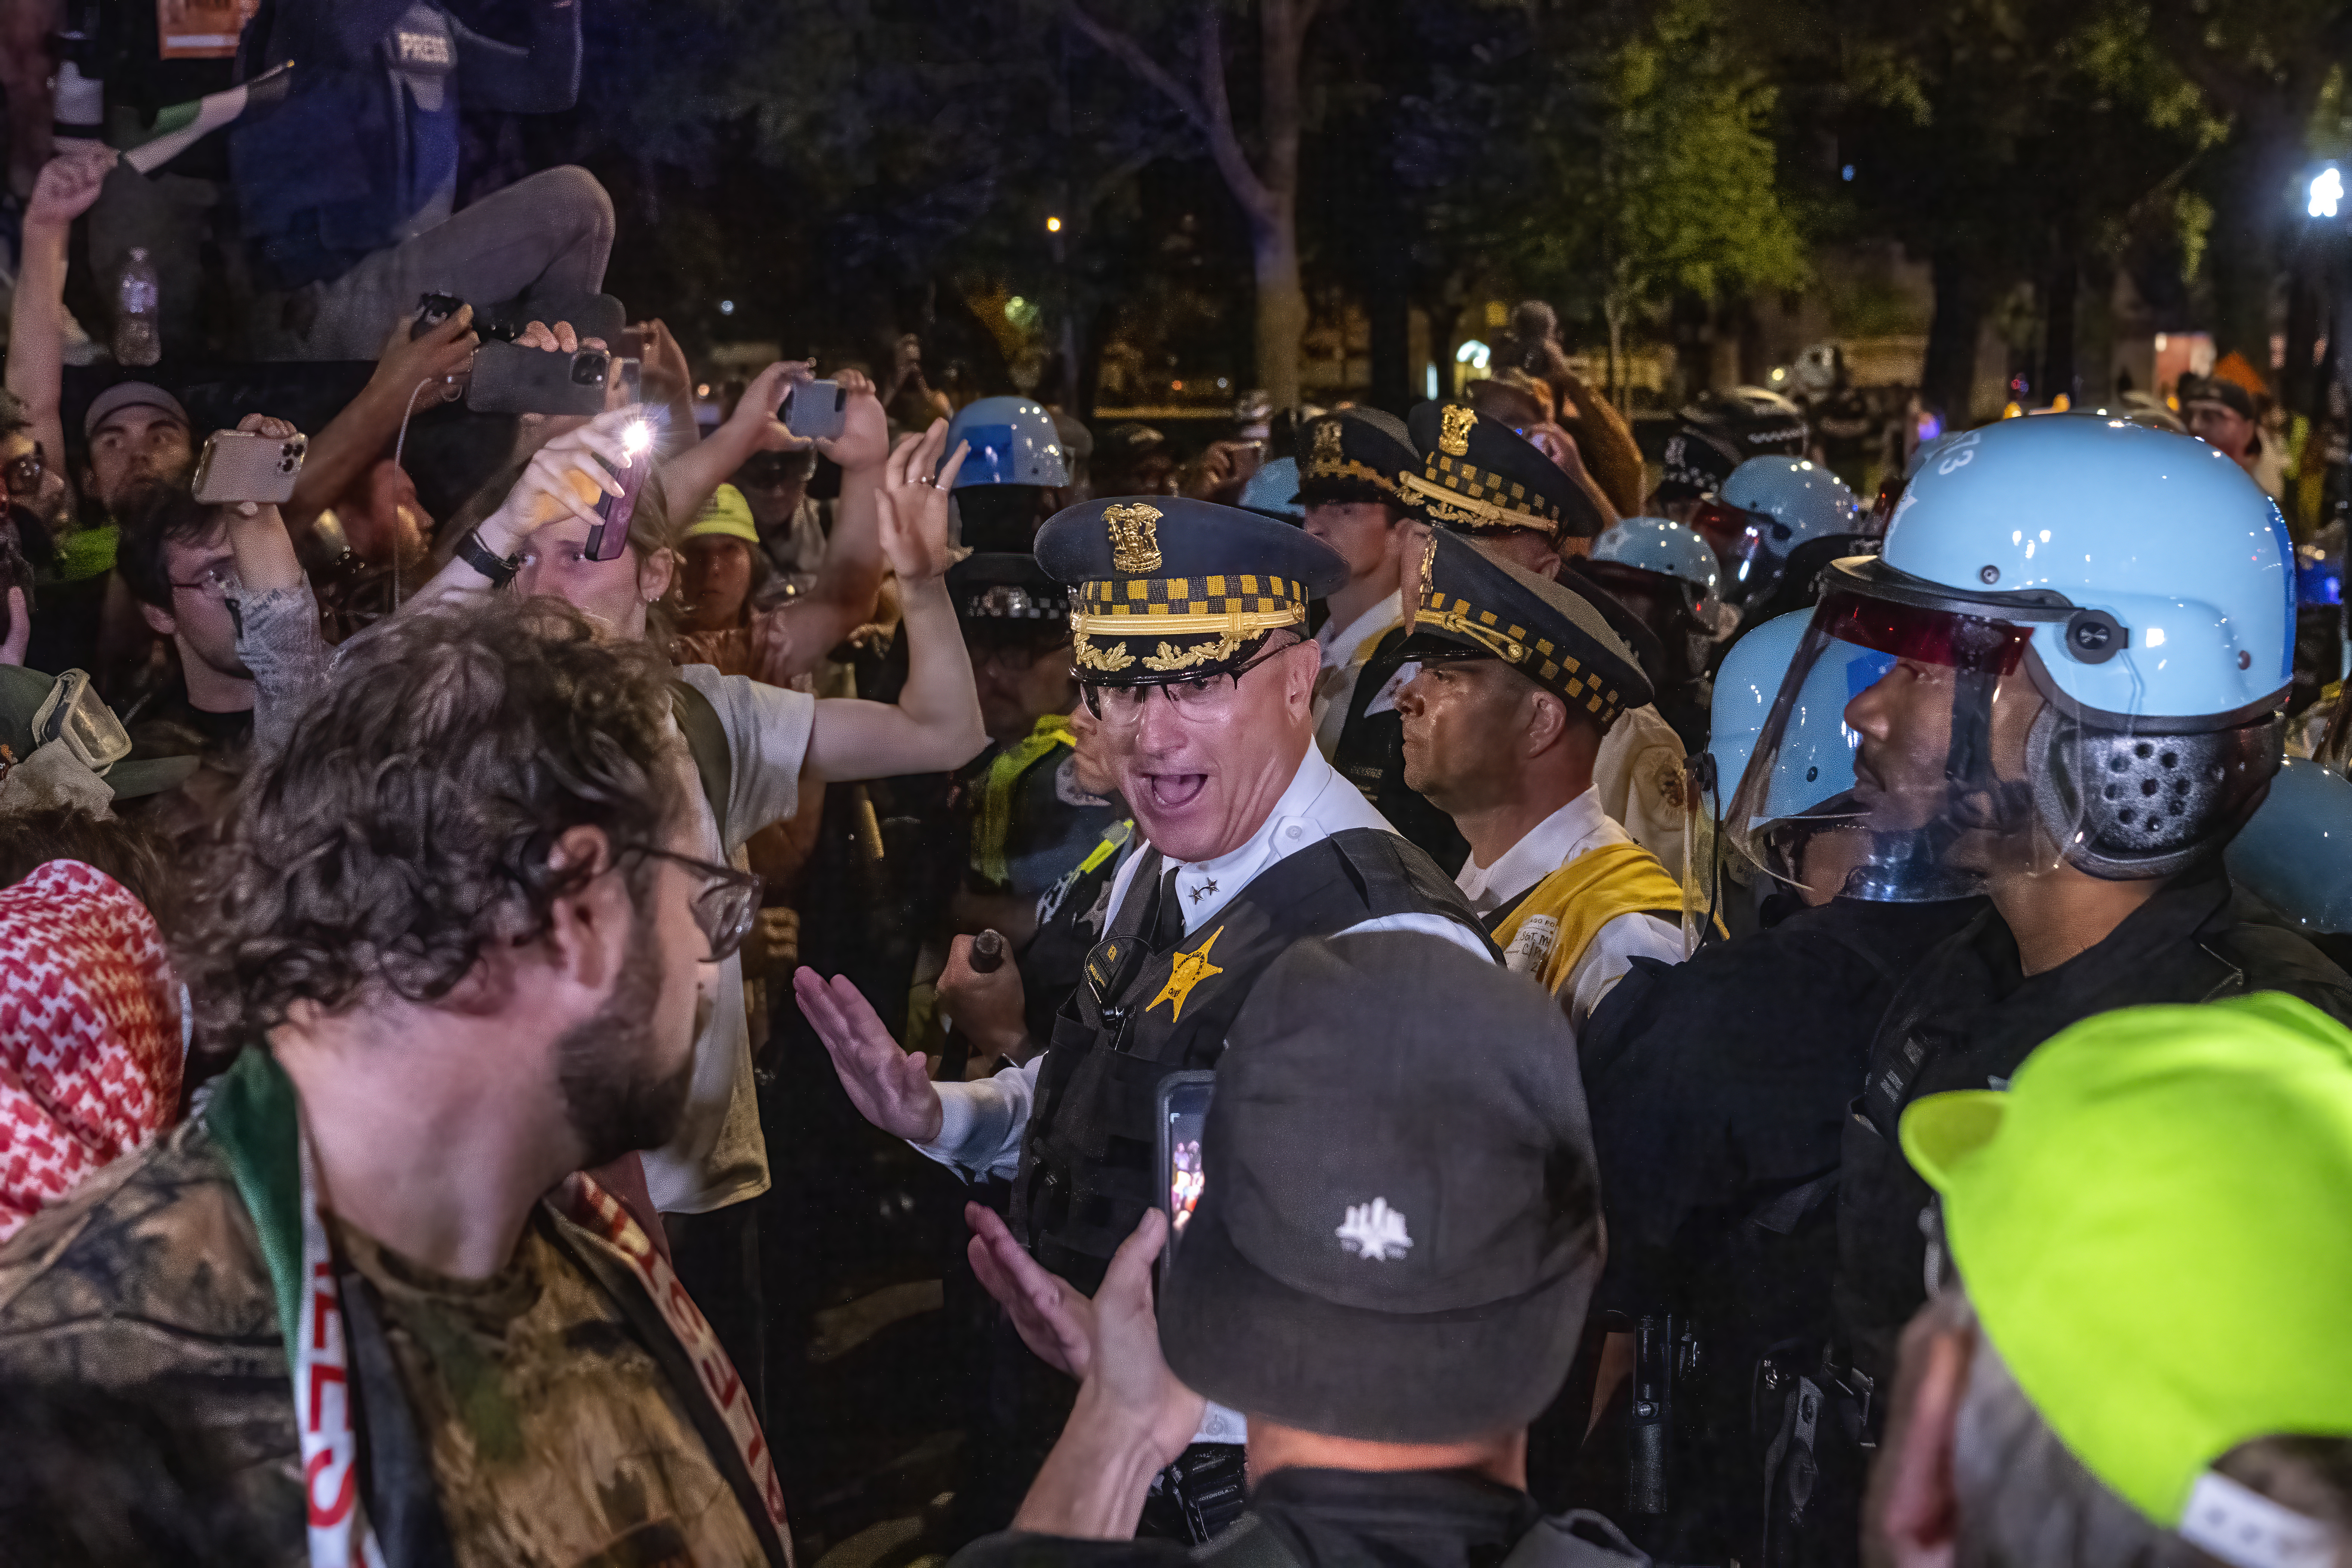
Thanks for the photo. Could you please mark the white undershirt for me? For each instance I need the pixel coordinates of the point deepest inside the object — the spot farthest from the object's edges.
(1575, 830)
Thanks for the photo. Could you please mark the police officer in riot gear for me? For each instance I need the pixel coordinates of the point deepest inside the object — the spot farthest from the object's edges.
(1720, 1087)
(2087, 624)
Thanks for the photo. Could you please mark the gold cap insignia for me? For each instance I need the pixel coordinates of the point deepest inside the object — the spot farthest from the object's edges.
(1134, 536)
(1453, 434)
(1327, 444)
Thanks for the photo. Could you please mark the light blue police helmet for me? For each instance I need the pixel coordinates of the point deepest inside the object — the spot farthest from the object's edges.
(2159, 578)
(1274, 490)
(1013, 442)
(1656, 545)
(1815, 761)
(1800, 495)
(2295, 855)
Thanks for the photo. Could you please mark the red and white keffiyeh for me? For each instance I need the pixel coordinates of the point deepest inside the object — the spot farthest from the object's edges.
(90, 1033)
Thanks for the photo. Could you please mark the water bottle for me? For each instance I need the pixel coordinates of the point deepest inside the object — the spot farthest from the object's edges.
(137, 337)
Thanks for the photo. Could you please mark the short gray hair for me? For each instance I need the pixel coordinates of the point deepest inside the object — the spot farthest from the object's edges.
(2026, 1501)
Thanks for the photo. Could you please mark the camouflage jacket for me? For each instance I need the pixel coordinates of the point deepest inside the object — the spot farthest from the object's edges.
(148, 1284)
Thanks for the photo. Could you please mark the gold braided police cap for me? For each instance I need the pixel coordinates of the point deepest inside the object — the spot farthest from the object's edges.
(1172, 589)
(1477, 474)
(1474, 605)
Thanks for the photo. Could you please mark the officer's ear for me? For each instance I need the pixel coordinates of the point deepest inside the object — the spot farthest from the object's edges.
(1913, 1516)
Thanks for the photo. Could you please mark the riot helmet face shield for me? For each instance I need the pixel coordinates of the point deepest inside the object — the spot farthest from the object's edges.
(1939, 708)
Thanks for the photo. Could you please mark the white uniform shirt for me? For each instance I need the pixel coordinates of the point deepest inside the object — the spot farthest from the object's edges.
(1335, 689)
(982, 1124)
(1574, 830)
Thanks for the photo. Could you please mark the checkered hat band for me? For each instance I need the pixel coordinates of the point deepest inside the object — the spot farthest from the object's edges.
(1472, 482)
(1350, 469)
(1549, 666)
(1161, 598)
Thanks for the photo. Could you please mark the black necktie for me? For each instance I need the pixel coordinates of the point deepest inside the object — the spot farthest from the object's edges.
(1170, 928)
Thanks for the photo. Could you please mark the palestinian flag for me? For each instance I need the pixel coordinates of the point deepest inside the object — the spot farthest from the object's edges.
(179, 127)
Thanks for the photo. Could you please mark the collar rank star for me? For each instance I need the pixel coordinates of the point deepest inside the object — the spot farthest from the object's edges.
(1375, 1231)
(1203, 890)
(1189, 970)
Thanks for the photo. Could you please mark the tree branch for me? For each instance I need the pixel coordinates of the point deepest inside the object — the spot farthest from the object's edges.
(1123, 47)
(1224, 146)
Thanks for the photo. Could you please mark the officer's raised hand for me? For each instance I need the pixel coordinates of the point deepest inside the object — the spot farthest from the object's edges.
(891, 1087)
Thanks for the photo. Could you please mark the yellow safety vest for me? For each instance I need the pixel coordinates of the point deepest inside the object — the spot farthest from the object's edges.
(1547, 932)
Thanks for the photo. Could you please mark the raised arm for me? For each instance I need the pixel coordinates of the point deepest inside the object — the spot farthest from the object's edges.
(692, 474)
(936, 725)
(563, 479)
(409, 372)
(69, 184)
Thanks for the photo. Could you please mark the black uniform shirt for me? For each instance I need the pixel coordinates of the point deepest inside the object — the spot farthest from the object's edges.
(1720, 1085)
(1971, 1015)
(1327, 1519)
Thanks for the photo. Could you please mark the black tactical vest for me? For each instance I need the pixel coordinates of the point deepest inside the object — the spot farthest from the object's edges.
(1088, 1167)
(1370, 755)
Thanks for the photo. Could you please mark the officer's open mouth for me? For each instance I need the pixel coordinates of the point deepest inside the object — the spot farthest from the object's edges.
(1172, 791)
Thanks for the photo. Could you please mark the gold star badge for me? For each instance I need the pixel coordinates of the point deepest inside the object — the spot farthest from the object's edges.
(1190, 970)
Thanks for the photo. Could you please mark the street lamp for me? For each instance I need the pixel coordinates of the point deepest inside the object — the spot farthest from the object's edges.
(1053, 225)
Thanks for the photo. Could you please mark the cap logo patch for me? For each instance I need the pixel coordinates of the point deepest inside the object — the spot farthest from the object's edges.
(1455, 425)
(1134, 536)
(1326, 443)
(1375, 1231)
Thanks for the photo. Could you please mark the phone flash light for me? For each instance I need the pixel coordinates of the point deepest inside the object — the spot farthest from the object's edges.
(636, 435)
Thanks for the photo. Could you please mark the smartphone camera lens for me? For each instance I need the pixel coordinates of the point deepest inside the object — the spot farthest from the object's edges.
(588, 368)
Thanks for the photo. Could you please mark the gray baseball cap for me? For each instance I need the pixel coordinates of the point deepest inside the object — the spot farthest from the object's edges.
(130, 394)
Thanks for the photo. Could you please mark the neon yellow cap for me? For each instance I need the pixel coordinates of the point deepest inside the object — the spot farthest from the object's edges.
(726, 512)
(2154, 1223)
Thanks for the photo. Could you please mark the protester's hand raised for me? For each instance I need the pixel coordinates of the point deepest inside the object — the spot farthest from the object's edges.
(667, 376)
(1052, 1318)
(755, 411)
(67, 186)
(891, 1087)
(562, 479)
(865, 440)
(914, 505)
(438, 359)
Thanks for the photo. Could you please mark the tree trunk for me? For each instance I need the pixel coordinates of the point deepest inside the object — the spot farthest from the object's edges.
(1948, 380)
(2058, 364)
(1281, 308)
(2249, 181)
(1273, 216)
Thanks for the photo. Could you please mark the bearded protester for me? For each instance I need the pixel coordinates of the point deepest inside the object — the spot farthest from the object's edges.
(461, 927)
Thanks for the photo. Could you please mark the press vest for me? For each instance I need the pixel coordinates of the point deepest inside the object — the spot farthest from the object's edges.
(1089, 1165)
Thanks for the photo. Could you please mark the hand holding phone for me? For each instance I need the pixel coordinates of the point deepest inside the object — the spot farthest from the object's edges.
(814, 410)
(1183, 1114)
(249, 466)
(610, 535)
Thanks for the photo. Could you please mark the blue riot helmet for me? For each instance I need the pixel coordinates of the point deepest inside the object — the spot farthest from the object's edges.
(2295, 855)
(1273, 491)
(1770, 508)
(1013, 442)
(2092, 628)
(1017, 453)
(1668, 548)
(1813, 769)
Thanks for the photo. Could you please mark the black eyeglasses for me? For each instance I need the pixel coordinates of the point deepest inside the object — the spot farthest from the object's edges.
(1201, 698)
(726, 906)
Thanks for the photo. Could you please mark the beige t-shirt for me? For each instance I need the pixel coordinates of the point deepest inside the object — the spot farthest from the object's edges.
(719, 1156)
(555, 1436)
